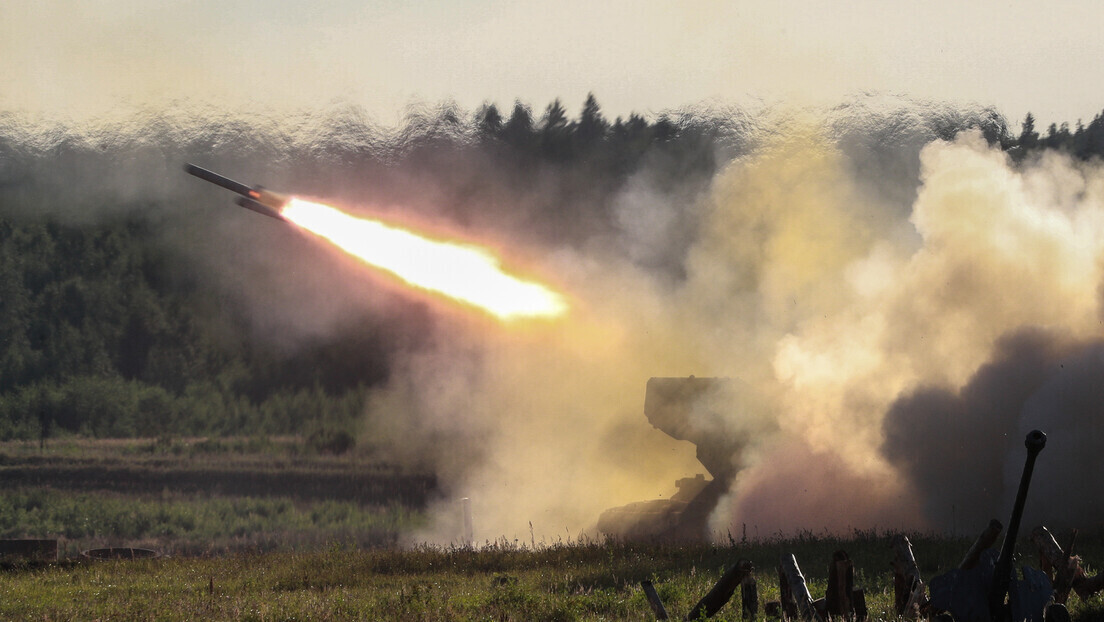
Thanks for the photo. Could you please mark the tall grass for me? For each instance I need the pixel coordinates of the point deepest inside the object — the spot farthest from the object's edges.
(577, 581)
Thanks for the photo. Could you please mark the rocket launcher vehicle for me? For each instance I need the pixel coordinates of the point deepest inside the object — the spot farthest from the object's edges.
(253, 198)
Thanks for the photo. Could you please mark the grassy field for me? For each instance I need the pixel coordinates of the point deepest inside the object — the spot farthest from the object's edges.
(204, 496)
(264, 529)
(581, 581)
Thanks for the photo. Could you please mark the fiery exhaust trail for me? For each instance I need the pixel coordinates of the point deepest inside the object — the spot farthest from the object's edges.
(462, 272)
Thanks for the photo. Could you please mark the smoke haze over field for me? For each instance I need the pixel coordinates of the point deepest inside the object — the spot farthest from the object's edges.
(901, 299)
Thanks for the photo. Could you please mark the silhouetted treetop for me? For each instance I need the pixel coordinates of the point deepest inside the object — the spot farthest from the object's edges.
(489, 120)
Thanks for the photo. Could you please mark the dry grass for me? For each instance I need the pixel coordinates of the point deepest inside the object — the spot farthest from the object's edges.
(580, 581)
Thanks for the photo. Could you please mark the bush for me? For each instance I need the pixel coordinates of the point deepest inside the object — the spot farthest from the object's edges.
(329, 441)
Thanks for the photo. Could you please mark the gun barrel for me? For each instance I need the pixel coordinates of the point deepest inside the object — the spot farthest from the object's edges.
(1002, 574)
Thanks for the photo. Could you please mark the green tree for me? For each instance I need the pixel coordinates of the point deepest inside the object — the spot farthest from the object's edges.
(488, 121)
(555, 134)
(555, 117)
(591, 127)
(518, 130)
(1029, 138)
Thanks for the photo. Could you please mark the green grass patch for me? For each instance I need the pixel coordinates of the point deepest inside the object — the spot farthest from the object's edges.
(190, 524)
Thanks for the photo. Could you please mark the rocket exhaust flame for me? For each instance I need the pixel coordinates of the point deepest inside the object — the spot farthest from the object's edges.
(465, 273)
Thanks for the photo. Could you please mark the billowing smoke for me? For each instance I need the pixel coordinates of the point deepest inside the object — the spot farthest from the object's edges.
(908, 386)
(838, 310)
(963, 451)
(900, 300)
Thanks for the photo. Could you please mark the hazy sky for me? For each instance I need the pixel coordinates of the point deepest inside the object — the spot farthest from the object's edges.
(104, 56)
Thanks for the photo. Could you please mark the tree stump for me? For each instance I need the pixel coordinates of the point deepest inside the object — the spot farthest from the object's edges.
(799, 591)
(908, 587)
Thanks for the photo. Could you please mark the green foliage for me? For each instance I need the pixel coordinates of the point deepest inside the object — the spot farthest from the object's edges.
(113, 407)
(329, 441)
(101, 336)
(190, 523)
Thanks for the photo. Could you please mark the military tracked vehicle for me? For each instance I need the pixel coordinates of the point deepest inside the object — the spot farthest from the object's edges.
(687, 409)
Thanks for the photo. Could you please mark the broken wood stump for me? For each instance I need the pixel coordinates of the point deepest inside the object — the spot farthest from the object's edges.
(798, 590)
(985, 540)
(841, 583)
(1063, 568)
(858, 604)
(787, 606)
(722, 592)
(749, 597)
(847, 602)
(654, 600)
(908, 587)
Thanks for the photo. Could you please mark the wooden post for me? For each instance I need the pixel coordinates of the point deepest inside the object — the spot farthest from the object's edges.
(858, 600)
(786, 600)
(908, 587)
(798, 590)
(820, 606)
(984, 541)
(1062, 567)
(749, 597)
(653, 600)
(722, 591)
(841, 583)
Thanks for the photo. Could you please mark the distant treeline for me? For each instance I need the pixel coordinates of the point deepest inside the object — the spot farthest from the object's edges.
(1084, 142)
(622, 142)
(106, 331)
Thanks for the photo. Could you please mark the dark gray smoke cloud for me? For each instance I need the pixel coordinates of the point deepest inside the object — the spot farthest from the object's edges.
(963, 450)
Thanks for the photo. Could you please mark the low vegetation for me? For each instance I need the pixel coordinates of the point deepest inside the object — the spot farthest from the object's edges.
(193, 524)
(578, 581)
(288, 552)
(203, 496)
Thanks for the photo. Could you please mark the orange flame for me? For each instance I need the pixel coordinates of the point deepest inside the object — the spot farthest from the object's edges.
(463, 272)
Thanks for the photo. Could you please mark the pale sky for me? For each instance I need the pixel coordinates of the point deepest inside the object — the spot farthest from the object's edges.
(99, 57)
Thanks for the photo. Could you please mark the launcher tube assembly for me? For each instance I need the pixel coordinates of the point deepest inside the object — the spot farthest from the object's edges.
(254, 198)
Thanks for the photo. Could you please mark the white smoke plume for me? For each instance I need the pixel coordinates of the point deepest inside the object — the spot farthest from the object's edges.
(997, 250)
(834, 307)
